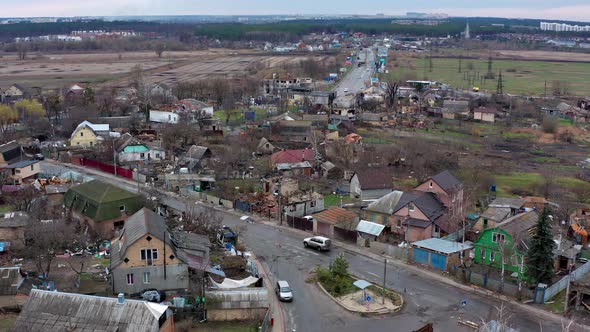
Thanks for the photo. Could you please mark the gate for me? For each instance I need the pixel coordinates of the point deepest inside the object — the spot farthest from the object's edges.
(438, 261)
(299, 223)
(345, 234)
(420, 256)
(324, 229)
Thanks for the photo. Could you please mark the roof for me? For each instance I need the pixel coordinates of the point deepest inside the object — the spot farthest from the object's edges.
(56, 188)
(192, 249)
(456, 105)
(21, 164)
(446, 181)
(143, 223)
(11, 152)
(496, 213)
(327, 166)
(372, 178)
(94, 127)
(292, 156)
(57, 311)
(101, 201)
(386, 203)
(442, 246)
(519, 225)
(288, 166)
(417, 222)
(513, 203)
(483, 109)
(197, 152)
(335, 216)
(362, 284)
(295, 123)
(9, 146)
(369, 227)
(425, 201)
(14, 219)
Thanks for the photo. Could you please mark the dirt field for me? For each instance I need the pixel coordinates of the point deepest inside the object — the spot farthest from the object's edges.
(59, 70)
(544, 56)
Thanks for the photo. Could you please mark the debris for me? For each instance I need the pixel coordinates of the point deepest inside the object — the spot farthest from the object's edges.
(471, 324)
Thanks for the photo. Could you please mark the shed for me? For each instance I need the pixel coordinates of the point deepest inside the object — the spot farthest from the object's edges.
(336, 222)
(438, 253)
(369, 229)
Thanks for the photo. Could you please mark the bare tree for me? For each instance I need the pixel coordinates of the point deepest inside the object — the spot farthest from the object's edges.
(23, 199)
(159, 48)
(391, 95)
(198, 219)
(22, 50)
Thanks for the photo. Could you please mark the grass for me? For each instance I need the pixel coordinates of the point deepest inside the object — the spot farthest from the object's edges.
(395, 298)
(519, 77)
(346, 286)
(6, 321)
(509, 136)
(507, 183)
(334, 200)
(6, 208)
(558, 303)
(545, 160)
(405, 184)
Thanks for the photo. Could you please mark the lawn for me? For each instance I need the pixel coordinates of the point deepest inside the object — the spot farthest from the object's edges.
(334, 200)
(506, 183)
(558, 303)
(6, 208)
(519, 77)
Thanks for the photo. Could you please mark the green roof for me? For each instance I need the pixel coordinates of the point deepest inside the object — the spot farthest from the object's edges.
(102, 201)
(135, 148)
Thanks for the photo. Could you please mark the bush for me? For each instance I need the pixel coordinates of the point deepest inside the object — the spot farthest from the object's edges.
(566, 136)
(550, 125)
(340, 267)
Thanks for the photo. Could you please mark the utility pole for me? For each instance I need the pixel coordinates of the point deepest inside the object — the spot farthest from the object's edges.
(567, 289)
(384, 278)
(280, 212)
(500, 88)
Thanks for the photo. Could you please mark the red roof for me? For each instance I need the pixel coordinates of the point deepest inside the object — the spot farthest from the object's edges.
(335, 216)
(292, 156)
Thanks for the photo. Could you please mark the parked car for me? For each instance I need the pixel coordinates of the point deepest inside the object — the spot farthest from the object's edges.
(317, 242)
(39, 156)
(247, 219)
(284, 291)
(153, 295)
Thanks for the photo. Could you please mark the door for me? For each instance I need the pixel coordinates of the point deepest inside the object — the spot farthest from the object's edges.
(420, 256)
(324, 229)
(438, 261)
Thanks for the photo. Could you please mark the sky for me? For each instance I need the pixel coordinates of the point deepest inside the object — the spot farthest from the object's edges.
(576, 10)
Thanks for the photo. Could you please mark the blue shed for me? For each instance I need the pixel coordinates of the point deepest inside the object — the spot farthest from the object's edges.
(439, 253)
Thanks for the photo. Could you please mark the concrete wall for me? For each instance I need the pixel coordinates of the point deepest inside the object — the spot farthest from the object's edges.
(163, 117)
(176, 278)
(237, 304)
(387, 249)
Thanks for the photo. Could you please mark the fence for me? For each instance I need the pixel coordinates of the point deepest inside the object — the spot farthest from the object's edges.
(562, 283)
(299, 223)
(389, 250)
(484, 281)
(345, 234)
(265, 325)
(111, 169)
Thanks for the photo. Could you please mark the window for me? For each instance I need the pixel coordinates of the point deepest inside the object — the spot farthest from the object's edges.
(312, 204)
(498, 237)
(146, 278)
(492, 256)
(118, 224)
(17, 171)
(169, 117)
(485, 222)
(411, 207)
(399, 223)
(157, 156)
(77, 143)
(142, 155)
(430, 185)
(148, 255)
(32, 167)
(482, 254)
(82, 134)
(130, 279)
(122, 208)
(90, 143)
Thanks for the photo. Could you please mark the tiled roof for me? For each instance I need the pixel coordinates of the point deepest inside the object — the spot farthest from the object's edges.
(375, 179)
(292, 156)
(446, 181)
(335, 215)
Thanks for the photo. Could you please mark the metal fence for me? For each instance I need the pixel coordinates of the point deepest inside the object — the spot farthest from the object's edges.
(265, 325)
(562, 283)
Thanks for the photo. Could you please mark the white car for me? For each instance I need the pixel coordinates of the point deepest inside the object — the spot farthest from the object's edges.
(247, 219)
(317, 242)
(345, 89)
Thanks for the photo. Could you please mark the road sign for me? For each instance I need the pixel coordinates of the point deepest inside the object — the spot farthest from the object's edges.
(463, 303)
(368, 298)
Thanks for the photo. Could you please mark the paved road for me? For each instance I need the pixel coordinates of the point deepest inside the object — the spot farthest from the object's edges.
(354, 81)
(283, 255)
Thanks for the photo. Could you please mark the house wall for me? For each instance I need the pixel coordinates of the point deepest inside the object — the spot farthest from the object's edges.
(416, 214)
(13, 92)
(83, 137)
(163, 117)
(137, 156)
(134, 252)
(176, 278)
(419, 234)
(452, 200)
(488, 117)
(14, 235)
(20, 174)
(479, 225)
(105, 228)
(305, 208)
(485, 245)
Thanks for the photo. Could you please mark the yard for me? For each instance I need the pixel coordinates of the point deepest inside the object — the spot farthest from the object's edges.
(519, 77)
(509, 183)
(335, 200)
(247, 326)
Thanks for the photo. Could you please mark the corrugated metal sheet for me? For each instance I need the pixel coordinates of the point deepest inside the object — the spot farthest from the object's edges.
(370, 227)
(442, 246)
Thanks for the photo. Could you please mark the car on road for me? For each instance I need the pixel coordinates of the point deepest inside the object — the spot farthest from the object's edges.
(284, 291)
(345, 89)
(317, 242)
(247, 219)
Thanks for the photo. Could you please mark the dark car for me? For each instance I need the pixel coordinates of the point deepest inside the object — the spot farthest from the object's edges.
(39, 156)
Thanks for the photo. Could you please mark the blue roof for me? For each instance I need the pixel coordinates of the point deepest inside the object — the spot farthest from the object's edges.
(442, 246)
(369, 227)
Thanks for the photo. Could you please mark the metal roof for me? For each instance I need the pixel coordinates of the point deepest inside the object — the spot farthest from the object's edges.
(21, 164)
(369, 227)
(288, 166)
(442, 246)
(362, 284)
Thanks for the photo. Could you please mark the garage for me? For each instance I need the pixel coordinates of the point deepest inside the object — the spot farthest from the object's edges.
(438, 253)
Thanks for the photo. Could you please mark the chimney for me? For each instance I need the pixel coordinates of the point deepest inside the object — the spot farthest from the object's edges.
(121, 299)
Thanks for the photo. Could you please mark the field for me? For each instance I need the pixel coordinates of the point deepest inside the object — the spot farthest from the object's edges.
(59, 70)
(519, 76)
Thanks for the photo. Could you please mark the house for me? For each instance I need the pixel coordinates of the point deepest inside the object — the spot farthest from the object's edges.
(64, 312)
(334, 221)
(419, 216)
(295, 131)
(318, 121)
(74, 93)
(323, 98)
(101, 207)
(455, 109)
(17, 166)
(264, 147)
(14, 93)
(343, 114)
(190, 110)
(303, 168)
(538, 203)
(161, 90)
(12, 281)
(292, 156)
(195, 156)
(510, 236)
(88, 134)
(371, 184)
(12, 230)
(448, 189)
(439, 254)
(301, 204)
(498, 210)
(130, 149)
(148, 255)
(381, 210)
(485, 114)
(277, 82)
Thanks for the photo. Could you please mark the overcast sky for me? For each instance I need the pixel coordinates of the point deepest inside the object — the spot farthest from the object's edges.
(550, 9)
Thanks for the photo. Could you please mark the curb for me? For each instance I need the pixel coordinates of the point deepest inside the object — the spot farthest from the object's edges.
(373, 312)
(276, 304)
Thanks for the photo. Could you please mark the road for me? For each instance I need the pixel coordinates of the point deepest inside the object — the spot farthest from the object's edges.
(354, 81)
(282, 254)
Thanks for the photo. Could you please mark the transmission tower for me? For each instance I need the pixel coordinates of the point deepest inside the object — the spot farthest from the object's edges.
(500, 89)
